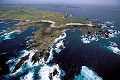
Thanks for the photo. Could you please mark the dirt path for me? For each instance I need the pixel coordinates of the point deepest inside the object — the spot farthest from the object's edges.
(79, 24)
(68, 24)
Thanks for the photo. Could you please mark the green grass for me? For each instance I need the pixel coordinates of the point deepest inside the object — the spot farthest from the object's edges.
(22, 13)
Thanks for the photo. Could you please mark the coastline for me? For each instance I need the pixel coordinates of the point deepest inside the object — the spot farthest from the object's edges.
(46, 35)
(48, 44)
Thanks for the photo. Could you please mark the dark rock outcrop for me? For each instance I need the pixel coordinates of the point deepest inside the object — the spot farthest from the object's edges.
(19, 64)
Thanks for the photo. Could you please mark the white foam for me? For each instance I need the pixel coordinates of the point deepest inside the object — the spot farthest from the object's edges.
(113, 33)
(46, 70)
(29, 76)
(59, 45)
(88, 39)
(112, 26)
(113, 44)
(85, 40)
(93, 38)
(28, 65)
(10, 34)
(24, 53)
(108, 22)
(31, 52)
(87, 74)
(3, 30)
(30, 40)
(114, 49)
(61, 36)
(103, 26)
(51, 55)
(58, 48)
(12, 62)
(1, 21)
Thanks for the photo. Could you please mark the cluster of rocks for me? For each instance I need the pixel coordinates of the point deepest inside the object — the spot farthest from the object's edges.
(19, 64)
(67, 15)
(35, 58)
(108, 33)
(104, 34)
(32, 44)
(55, 72)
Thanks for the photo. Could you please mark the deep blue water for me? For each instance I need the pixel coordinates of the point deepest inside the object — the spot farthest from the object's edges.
(6, 25)
(102, 13)
(10, 48)
(94, 55)
(76, 54)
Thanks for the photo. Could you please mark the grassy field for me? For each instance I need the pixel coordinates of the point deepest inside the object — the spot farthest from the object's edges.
(22, 13)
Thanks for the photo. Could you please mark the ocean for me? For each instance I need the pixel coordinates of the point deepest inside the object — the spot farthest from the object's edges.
(82, 58)
(102, 56)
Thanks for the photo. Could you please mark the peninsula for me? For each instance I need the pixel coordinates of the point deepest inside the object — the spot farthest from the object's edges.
(51, 25)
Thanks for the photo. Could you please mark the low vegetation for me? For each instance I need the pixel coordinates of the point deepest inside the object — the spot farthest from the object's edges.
(28, 14)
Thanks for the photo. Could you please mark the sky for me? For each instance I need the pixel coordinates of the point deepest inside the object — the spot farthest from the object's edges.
(98, 2)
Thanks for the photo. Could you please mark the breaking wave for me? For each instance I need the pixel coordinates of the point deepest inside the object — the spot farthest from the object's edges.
(108, 33)
(41, 70)
(9, 35)
(57, 46)
(114, 48)
(87, 74)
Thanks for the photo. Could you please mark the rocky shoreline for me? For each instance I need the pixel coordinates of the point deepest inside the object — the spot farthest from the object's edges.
(45, 36)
